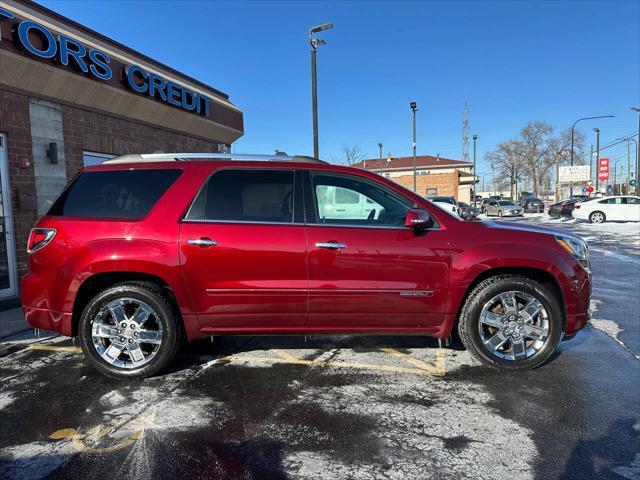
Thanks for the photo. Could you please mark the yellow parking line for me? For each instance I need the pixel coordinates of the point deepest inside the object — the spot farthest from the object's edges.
(318, 363)
(55, 349)
(437, 369)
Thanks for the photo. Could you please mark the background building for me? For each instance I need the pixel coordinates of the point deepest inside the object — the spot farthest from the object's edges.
(70, 97)
(435, 175)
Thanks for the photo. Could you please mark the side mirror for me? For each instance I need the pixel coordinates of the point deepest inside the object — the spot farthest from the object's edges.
(417, 218)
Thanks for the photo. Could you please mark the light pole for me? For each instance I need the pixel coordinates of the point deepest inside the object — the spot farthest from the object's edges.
(629, 140)
(572, 133)
(637, 187)
(380, 164)
(475, 141)
(414, 109)
(315, 42)
(597, 130)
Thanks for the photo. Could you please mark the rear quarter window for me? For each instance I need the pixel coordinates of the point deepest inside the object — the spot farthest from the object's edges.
(127, 194)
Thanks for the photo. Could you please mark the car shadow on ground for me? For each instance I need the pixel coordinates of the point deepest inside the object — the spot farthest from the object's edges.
(198, 352)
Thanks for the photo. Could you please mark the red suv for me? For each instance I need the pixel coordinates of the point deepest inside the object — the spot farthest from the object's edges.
(144, 251)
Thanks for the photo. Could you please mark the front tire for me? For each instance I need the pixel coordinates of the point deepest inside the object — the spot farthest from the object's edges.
(510, 322)
(129, 330)
(597, 217)
(499, 213)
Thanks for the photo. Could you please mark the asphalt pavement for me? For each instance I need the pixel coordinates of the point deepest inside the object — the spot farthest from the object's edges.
(340, 406)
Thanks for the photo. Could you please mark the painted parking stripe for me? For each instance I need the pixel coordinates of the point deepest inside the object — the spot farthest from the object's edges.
(53, 348)
(421, 368)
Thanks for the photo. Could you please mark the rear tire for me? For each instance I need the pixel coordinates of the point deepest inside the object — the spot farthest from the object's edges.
(597, 217)
(130, 330)
(510, 343)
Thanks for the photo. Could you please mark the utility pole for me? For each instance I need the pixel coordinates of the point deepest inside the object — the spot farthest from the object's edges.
(597, 130)
(414, 109)
(380, 164)
(475, 141)
(637, 187)
(628, 164)
(591, 161)
(493, 177)
(558, 157)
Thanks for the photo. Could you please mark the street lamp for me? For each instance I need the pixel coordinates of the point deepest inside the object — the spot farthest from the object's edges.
(637, 187)
(597, 130)
(380, 164)
(414, 109)
(475, 141)
(572, 132)
(315, 42)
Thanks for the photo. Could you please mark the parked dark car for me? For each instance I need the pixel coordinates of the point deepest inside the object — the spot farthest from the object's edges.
(468, 211)
(532, 205)
(563, 208)
(555, 209)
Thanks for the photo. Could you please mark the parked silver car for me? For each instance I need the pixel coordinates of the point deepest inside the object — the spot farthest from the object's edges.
(503, 208)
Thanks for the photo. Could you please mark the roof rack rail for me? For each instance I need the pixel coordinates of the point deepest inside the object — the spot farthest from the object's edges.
(179, 157)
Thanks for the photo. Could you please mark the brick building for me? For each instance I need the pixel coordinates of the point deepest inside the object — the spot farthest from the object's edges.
(434, 175)
(70, 97)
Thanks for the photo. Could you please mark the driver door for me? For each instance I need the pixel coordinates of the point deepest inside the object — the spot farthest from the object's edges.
(367, 271)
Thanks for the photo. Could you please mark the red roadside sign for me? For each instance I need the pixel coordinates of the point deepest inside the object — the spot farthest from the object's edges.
(590, 189)
(603, 169)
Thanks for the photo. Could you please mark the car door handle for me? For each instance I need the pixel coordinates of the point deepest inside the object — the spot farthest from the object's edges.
(331, 245)
(202, 242)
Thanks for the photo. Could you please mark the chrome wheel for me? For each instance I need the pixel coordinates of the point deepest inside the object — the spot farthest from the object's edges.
(513, 325)
(127, 333)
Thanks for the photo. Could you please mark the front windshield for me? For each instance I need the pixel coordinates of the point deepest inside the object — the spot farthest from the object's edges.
(506, 203)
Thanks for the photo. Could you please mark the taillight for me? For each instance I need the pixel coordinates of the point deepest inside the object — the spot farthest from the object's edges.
(577, 206)
(40, 238)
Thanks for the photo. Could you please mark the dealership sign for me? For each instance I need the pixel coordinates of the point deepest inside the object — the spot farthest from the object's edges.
(603, 169)
(38, 41)
(577, 173)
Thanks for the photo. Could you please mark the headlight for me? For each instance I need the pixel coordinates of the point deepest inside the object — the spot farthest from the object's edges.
(576, 247)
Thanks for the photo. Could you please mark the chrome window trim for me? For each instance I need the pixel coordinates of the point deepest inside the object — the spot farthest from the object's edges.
(240, 222)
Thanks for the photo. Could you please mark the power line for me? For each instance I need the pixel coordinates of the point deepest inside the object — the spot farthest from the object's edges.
(615, 142)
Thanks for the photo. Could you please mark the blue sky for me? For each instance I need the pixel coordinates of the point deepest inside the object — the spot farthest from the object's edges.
(512, 61)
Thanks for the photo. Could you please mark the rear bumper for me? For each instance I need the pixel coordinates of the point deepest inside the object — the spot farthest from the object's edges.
(50, 320)
(36, 303)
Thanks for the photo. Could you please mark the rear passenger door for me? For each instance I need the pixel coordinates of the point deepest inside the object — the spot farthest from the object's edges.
(243, 251)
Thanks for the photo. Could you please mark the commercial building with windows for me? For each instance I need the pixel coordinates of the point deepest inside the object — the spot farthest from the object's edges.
(434, 175)
(70, 97)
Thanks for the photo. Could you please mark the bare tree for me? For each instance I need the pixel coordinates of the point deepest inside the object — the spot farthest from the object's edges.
(535, 154)
(352, 154)
(507, 164)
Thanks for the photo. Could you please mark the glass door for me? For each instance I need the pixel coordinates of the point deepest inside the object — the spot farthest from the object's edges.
(8, 276)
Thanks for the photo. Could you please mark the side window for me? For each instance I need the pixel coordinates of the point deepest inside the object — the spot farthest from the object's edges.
(633, 200)
(245, 196)
(615, 201)
(345, 200)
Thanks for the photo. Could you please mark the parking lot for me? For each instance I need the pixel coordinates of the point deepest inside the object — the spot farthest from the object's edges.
(343, 406)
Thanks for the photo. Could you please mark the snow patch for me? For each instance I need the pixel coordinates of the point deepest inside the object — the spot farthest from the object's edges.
(6, 399)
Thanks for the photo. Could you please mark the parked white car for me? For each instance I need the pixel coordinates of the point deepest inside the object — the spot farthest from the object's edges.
(618, 208)
(446, 203)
